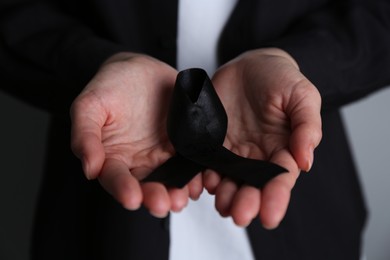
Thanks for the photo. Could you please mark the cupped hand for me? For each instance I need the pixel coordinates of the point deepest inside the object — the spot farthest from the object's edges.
(119, 133)
(274, 115)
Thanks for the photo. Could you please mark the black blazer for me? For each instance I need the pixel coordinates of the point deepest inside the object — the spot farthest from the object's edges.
(49, 50)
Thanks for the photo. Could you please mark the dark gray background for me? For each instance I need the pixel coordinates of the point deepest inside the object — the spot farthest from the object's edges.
(22, 153)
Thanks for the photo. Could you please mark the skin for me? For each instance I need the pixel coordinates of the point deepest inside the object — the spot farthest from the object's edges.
(274, 114)
(118, 131)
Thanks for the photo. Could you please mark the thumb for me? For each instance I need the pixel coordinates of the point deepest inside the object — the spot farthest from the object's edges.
(86, 142)
(305, 116)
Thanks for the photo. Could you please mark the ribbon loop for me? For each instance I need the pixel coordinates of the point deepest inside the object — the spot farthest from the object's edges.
(196, 126)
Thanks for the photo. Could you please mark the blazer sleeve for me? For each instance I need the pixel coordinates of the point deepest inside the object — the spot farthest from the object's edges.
(343, 48)
(41, 48)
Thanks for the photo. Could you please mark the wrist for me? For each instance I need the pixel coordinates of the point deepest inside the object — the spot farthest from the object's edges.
(120, 56)
(276, 52)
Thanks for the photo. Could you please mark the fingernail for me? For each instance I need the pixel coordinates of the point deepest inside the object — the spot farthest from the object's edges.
(272, 224)
(159, 214)
(310, 160)
(269, 227)
(86, 169)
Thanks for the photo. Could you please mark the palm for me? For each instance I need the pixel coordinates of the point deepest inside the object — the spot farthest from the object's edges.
(134, 131)
(255, 133)
(264, 97)
(119, 132)
(258, 124)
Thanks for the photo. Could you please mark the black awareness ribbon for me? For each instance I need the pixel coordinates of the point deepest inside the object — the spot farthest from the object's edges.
(196, 126)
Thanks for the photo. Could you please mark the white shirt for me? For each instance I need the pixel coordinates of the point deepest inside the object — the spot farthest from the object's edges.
(200, 24)
(199, 232)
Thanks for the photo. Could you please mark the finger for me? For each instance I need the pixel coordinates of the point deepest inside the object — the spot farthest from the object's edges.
(224, 195)
(276, 193)
(211, 179)
(179, 198)
(274, 203)
(116, 178)
(305, 115)
(86, 143)
(195, 187)
(156, 199)
(245, 206)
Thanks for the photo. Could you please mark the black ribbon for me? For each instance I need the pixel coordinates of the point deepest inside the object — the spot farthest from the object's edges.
(197, 124)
